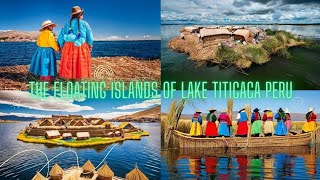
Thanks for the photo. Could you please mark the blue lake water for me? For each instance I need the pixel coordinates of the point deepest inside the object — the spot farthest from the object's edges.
(121, 160)
(20, 53)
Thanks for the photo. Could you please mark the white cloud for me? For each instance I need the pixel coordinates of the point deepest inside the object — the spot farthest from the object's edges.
(146, 36)
(143, 105)
(23, 115)
(24, 99)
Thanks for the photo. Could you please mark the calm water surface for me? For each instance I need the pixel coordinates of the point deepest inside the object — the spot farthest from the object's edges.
(302, 68)
(299, 163)
(20, 53)
(122, 159)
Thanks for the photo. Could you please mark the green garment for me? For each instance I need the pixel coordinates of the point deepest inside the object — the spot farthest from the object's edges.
(256, 127)
(213, 117)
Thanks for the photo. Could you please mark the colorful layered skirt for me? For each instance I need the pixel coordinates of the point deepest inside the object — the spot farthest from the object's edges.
(211, 129)
(288, 124)
(75, 61)
(196, 129)
(281, 129)
(224, 129)
(256, 127)
(309, 126)
(44, 62)
(268, 127)
(242, 128)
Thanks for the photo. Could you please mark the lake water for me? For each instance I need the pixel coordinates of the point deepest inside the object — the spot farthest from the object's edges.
(20, 53)
(121, 160)
(302, 68)
(287, 163)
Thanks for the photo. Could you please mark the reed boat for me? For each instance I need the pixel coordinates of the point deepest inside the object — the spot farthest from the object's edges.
(291, 140)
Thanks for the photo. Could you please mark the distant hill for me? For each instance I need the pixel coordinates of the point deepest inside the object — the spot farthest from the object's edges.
(148, 115)
(18, 36)
(17, 118)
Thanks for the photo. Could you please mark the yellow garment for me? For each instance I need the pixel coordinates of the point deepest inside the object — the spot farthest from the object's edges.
(46, 39)
(309, 126)
(196, 129)
(269, 114)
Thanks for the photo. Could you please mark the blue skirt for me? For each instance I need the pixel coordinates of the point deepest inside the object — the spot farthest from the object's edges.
(44, 62)
(281, 129)
(223, 129)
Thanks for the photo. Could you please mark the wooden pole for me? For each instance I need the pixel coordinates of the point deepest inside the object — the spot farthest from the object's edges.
(248, 112)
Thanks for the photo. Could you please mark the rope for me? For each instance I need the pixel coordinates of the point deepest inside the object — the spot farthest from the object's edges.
(28, 151)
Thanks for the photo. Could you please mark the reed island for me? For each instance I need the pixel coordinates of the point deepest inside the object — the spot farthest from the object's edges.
(238, 46)
(77, 131)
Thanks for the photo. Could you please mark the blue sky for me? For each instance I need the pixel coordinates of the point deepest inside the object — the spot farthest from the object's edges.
(20, 103)
(107, 18)
(240, 11)
(300, 103)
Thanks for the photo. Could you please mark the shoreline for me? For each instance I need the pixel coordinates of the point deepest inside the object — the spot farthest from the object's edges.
(118, 68)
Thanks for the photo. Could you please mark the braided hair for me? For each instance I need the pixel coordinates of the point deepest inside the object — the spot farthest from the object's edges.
(76, 16)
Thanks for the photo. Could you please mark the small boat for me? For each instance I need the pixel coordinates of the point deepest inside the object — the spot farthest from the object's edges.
(186, 141)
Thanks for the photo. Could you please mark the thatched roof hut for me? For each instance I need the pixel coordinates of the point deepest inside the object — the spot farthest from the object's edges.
(136, 174)
(88, 167)
(52, 134)
(105, 173)
(241, 34)
(66, 135)
(46, 122)
(79, 123)
(97, 122)
(83, 135)
(56, 172)
(190, 29)
(39, 176)
(59, 122)
(126, 125)
(72, 122)
(210, 35)
(253, 31)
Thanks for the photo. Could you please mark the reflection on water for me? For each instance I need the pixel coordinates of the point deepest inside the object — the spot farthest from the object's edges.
(302, 68)
(121, 160)
(276, 163)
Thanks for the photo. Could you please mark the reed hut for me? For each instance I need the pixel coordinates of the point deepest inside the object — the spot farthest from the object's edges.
(253, 32)
(118, 134)
(67, 136)
(105, 173)
(46, 122)
(211, 35)
(79, 123)
(59, 122)
(72, 122)
(52, 134)
(241, 34)
(97, 122)
(190, 29)
(39, 176)
(56, 172)
(110, 134)
(136, 174)
(83, 135)
(127, 125)
(88, 168)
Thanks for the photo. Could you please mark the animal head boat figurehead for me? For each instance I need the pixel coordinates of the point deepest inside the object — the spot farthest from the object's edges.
(256, 110)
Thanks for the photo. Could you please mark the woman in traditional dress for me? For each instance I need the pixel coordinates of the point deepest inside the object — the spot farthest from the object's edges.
(76, 41)
(281, 129)
(196, 129)
(267, 118)
(211, 129)
(310, 125)
(224, 123)
(242, 119)
(256, 129)
(288, 120)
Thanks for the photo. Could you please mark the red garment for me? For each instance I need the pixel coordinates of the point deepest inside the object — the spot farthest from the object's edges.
(257, 116)
(242, 128)
(46, 78)
(211, 129)
(75, 61)
(243, 164)
(224, 117)
(312, 117)
(211, 165)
